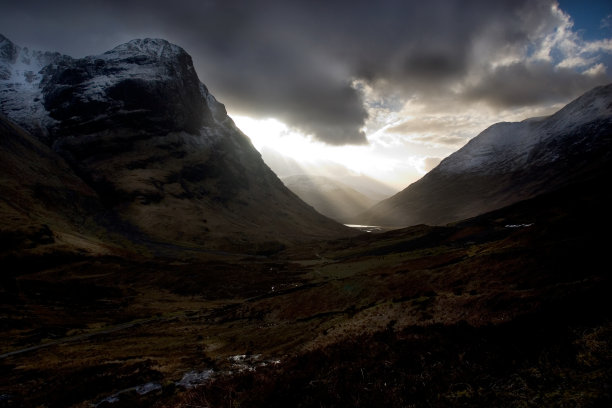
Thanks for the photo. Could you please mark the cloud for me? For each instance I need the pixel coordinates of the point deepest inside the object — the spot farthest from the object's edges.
(423, 164)
(430, 124)
(430, 133)
(299, 61)
(440, 140)
(430, 162)
(525, 84)
(597, 70)
(560, 66)
(435, 129)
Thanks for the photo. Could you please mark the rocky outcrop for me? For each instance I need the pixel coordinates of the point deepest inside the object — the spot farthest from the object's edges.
(145, 85)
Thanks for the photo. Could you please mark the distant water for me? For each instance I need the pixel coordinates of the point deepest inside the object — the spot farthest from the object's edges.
(365, 228)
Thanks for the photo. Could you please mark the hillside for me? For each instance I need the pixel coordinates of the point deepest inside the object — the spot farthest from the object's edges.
(506, 163)
(140, 130)
(43, 203)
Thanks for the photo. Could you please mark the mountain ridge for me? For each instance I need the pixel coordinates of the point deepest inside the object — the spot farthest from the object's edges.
(506, 163)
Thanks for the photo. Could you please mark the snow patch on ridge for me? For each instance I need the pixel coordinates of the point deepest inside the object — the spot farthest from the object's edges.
(152, 47)
(20, 84)
(25, 74)
(505, 147)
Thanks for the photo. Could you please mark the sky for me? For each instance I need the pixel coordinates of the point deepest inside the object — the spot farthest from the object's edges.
(384, 89)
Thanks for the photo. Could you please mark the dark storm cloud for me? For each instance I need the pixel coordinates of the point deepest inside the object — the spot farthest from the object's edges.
(296, 60)
(528, 84)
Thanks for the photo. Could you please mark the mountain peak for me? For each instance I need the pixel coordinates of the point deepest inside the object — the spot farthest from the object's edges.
(594, 104)
(150, 47)
(144, 82)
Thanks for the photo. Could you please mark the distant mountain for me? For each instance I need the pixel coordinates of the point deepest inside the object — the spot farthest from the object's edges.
(150, 145)
(506, 163)
(285, 166)
(368, 186)
(329, 197)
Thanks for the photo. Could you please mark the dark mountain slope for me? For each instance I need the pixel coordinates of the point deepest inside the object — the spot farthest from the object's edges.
(140, 129)
(42, 201)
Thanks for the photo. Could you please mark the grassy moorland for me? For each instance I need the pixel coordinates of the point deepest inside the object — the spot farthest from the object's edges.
(511, 308)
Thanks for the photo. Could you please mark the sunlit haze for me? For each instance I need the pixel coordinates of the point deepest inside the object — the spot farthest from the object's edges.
(310, 156)
(399, 152)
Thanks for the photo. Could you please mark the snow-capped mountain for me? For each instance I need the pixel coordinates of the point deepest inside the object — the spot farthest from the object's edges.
(506, 147)
(140, 129)
(20, 91)
(506, 163)
(55, 91)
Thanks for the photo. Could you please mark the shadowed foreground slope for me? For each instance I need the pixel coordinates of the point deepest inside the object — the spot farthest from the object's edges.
(509, 307)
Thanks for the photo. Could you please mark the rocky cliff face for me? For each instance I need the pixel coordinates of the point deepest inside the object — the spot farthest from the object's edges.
(137, 126)
(144, 85)
(506, 163)
(21, 96)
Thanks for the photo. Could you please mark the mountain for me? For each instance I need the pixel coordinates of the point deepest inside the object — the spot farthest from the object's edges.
(506, 163)
(285, 167)
(152, 146)
(331, 198)
(21, 72)
(43, 203)
(368, 186)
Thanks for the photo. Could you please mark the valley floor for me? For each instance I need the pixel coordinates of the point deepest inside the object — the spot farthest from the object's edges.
(507, 309)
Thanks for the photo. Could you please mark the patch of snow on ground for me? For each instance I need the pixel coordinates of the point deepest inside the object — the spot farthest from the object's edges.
(139, 389)
(192, 379)
(249, 362)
